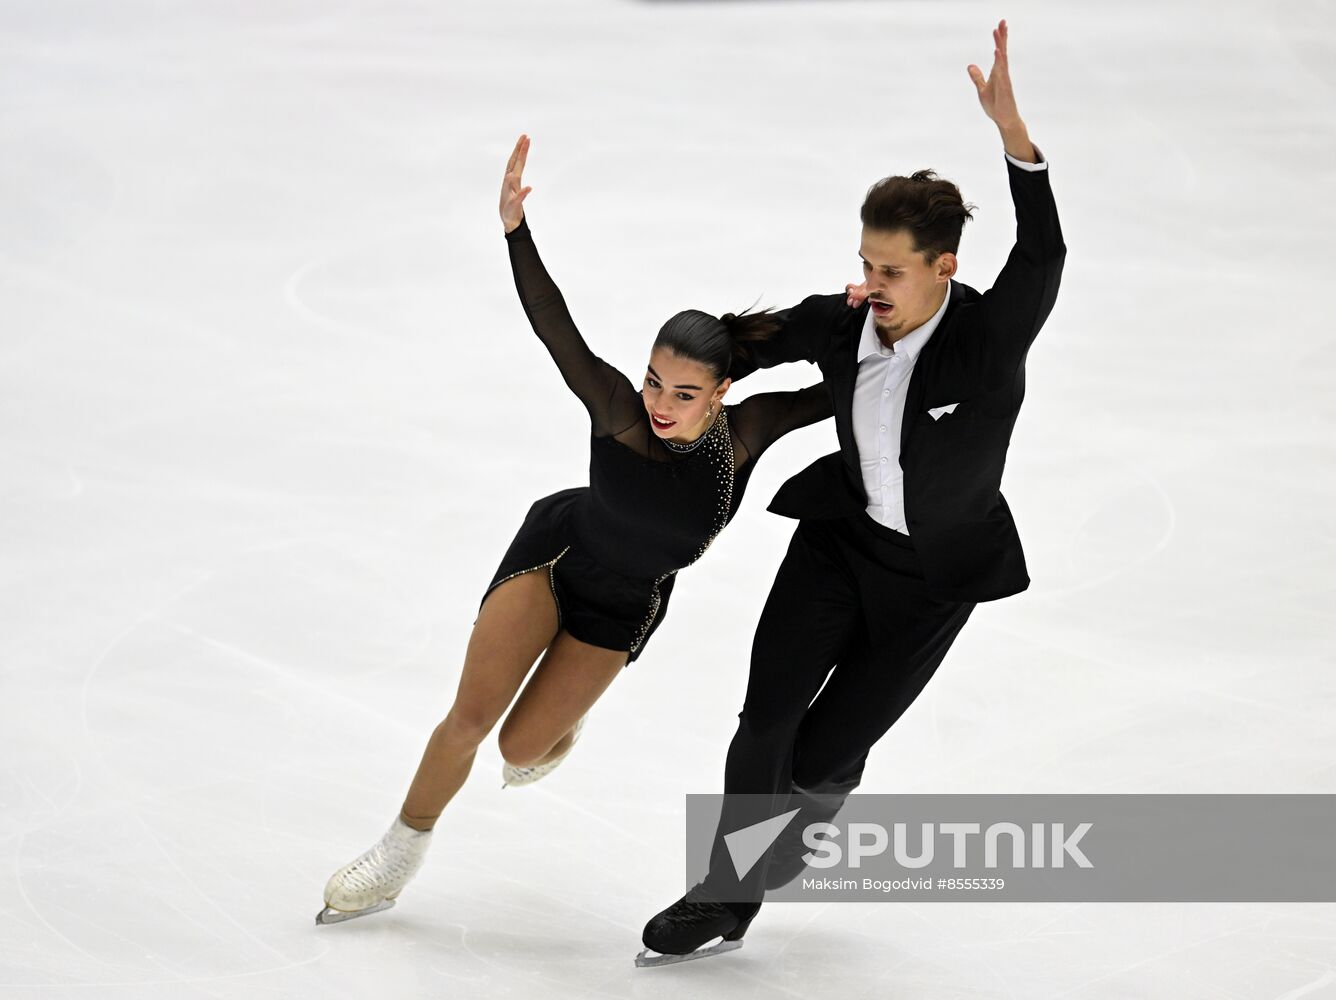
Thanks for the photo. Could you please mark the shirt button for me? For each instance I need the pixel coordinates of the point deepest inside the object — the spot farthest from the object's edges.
(883, 426)
(886, 392)
(883, 461)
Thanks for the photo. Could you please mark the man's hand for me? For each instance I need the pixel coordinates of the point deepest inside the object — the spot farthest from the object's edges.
(512, 193)
(999, 103)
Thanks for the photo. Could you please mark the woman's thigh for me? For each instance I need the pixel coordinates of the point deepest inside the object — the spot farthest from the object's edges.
(516, 622)
(571, 677)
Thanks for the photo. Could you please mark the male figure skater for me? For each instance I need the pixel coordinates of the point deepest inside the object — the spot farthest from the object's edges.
(903, 530)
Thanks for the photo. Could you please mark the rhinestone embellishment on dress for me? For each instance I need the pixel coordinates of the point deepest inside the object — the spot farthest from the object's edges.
(720, 451)
(693, 445)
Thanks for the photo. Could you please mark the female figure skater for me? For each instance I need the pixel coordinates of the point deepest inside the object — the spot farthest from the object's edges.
(586, 580)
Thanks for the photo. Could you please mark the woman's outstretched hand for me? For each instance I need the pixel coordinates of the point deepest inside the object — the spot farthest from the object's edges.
(855, 294)
(512, 191)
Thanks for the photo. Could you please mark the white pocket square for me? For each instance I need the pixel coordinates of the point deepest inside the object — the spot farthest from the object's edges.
(937, 411)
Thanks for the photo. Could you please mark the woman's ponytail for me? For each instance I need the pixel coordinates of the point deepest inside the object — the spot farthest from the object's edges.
(716, 342)
(749, 327)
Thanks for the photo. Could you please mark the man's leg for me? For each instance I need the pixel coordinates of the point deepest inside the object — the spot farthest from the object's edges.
(870, 689)
(811, 615)
(810, 618)
(902, 639)
(820, 800)
(907, 638)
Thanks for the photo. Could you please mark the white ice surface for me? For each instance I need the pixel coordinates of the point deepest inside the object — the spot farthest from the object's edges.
(270, 413)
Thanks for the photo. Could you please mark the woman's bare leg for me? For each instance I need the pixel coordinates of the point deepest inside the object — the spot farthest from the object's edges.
(517, 621)
(570, 678)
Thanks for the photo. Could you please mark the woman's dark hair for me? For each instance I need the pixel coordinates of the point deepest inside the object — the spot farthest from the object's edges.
(929, 208)
(715, 341)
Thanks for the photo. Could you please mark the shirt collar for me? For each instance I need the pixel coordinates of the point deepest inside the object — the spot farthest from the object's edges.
(910, 344)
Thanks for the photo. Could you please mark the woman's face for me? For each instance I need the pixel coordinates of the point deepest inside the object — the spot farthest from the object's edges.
(678, 395)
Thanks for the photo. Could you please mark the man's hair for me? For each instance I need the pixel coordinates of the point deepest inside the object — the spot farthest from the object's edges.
(929, 208)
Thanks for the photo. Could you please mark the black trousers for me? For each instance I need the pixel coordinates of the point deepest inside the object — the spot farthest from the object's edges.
(849, 603)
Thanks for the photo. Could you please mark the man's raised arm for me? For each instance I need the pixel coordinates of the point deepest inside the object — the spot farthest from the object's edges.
(1023, 294)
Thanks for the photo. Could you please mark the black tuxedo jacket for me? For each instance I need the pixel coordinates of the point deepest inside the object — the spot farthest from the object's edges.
(957, 518)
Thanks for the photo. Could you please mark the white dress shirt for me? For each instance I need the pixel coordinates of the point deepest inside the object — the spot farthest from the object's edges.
(879, 409)
(879, 406)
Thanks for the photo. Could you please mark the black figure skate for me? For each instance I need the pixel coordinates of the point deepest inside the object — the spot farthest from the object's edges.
(678, 932)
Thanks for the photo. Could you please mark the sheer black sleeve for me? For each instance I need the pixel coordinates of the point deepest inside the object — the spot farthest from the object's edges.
(761, 420)
(607, 394)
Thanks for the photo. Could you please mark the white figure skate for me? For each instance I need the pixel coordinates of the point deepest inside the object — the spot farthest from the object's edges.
(511, 775)
(371, 883)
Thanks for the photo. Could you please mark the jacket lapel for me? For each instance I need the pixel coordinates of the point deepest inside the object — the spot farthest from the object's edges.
(844, 375)
(919, 377)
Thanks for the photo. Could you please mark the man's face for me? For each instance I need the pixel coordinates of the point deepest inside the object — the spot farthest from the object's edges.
(903, 287)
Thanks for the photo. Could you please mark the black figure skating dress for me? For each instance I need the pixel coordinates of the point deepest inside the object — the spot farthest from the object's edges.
(612, 549)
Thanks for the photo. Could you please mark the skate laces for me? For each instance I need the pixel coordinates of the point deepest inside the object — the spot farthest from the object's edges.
(698, 902)
(394, 857)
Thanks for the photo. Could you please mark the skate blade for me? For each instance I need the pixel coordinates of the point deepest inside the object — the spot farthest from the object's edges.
(647, 959)
(329, 915)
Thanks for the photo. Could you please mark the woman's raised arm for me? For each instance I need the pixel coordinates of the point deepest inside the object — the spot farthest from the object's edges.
(606, 393)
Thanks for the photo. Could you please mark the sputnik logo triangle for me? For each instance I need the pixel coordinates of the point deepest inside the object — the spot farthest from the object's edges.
(746, 846)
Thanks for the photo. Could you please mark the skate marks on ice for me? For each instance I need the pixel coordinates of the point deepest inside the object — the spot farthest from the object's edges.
(181, 675)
